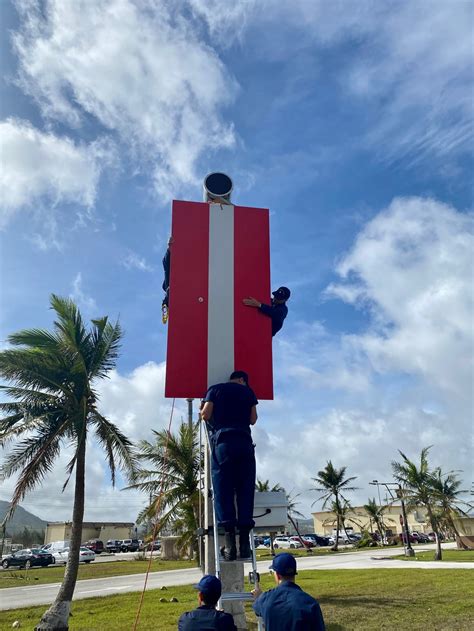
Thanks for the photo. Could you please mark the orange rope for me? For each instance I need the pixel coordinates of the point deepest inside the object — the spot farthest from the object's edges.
(155, 529)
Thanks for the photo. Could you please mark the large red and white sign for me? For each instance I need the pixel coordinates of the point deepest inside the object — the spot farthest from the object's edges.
(220, 254)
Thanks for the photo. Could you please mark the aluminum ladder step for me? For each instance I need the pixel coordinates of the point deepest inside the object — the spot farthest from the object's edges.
(237, 596)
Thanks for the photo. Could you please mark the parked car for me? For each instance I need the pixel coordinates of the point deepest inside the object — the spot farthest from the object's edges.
(432, 537)
(319, 540)
(259, 541)
(354, 537)
(129, 545)
(95, 544)
(306, 543)
(52, 546)
(286, 542)
(411, 538)
(420, 537)
(28, 557)
(86, 555)
(155, 545)
(113, 545)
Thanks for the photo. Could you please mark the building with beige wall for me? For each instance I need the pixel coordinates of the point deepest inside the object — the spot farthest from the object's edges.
(358, 520)
(61, 531)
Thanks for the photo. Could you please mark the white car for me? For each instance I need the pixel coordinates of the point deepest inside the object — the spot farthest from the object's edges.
(85, 555)
(286, 542)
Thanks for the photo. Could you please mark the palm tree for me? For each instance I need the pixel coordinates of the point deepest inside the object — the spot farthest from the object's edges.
(52, 375)
(332, 482)
(376, 515)
(448, 498)
(172, 482)
(263, 486)
(419, 490)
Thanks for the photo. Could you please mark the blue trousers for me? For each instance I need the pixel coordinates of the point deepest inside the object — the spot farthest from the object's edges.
(233, 480)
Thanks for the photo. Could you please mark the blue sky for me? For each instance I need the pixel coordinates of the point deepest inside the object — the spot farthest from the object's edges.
(351, 121)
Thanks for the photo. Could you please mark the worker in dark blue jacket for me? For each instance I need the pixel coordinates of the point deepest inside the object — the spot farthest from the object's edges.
(230, 409)
(206, 617)
(277, 311)
(287, 607)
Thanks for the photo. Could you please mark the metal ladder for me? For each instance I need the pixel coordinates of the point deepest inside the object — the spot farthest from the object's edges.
(254, 577)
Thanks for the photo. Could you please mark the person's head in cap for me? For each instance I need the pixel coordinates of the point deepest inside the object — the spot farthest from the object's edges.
(284, 567)
(210, 589)
(281, 295)
(240, 376)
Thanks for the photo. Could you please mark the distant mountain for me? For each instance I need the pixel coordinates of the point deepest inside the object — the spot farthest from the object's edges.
(21, 519)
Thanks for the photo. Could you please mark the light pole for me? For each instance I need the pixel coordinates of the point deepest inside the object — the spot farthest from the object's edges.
(190, 413)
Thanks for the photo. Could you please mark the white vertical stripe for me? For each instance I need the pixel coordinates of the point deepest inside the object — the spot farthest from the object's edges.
(220, 344)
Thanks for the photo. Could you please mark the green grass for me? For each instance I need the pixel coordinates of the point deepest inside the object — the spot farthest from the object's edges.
(55, 573)
(448, 555)
(351, 600)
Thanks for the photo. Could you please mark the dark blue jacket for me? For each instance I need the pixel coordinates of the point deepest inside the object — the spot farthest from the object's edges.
(277, 313)
(289, 608)
(206, 618)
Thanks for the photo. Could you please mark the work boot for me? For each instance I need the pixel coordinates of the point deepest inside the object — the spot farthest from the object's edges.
(229, 551)
(244, 544)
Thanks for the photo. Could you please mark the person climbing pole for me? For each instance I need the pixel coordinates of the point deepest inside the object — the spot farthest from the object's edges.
(166, 282)
(277, 311)
(230, 409)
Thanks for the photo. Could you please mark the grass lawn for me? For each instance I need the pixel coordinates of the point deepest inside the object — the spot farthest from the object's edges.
(448, 555)
(351, 600)
(55, 573)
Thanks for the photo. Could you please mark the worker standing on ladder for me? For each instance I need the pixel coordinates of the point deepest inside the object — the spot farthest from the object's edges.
(230, 409)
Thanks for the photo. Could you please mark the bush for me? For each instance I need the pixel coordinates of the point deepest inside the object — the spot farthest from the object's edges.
(366, 541)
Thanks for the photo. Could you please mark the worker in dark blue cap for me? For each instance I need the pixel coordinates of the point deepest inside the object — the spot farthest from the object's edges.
(206, 617)
(229, 410)
(277, 311)
(287, 607)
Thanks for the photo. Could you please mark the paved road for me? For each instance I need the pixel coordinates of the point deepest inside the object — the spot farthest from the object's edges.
(14, 597)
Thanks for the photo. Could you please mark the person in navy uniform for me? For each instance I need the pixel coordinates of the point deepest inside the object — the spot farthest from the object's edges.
(277, 311)
(287, 607)
(230, 409)
(206, 617)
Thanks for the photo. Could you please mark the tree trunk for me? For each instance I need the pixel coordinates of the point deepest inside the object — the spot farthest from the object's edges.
(57, 616)
(336, 543)
(434, 524)
(297, 531)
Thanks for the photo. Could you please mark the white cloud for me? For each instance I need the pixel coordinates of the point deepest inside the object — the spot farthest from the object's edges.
(405, 382)
(83, 301)
(135, 261)
(137, 68)
(412, 267)
(410, 62)
(39, 169)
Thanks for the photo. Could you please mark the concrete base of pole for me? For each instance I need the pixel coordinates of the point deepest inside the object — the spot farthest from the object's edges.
(232, 577)
(169, 549)
(409, 552)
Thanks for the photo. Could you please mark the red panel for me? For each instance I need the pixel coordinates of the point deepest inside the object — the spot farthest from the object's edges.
(253, 330)
(186, 363)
